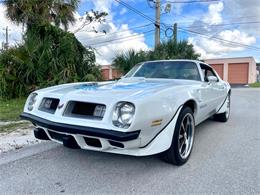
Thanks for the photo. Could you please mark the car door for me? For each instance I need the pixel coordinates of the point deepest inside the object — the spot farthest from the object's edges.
(217, 88)
(211, 92)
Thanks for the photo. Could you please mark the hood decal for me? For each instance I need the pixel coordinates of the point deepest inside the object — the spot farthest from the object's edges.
(87, 86)
(118, 86)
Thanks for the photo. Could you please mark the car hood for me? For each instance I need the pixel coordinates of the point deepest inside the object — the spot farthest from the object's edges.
(124, 88)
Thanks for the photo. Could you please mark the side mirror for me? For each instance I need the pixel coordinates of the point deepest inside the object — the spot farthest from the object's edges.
(212, 79)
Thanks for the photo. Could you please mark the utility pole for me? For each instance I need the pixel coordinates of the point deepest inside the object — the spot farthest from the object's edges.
(6, 38)
(3, 46)
(157, 22)
(175, 31)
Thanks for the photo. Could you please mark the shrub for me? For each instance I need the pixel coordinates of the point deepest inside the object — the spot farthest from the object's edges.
(49, 56)
(255, 85)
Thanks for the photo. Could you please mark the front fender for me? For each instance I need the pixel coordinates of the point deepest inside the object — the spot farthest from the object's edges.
(153, 114)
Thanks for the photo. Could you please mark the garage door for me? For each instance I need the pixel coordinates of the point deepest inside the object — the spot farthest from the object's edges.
(238, 73)
(219, 69)
(105, 74)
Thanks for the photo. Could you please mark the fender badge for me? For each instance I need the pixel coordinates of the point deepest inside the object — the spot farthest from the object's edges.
(60, 106)
(156, 122)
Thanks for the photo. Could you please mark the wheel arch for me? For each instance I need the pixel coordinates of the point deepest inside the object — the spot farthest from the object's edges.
(229, 91)
(192, 104)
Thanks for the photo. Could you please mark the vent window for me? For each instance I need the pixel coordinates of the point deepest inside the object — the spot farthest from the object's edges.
(49, 105)
(85, 110)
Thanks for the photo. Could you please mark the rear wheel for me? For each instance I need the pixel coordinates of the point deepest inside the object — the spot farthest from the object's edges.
(182, 141)
(223, 117)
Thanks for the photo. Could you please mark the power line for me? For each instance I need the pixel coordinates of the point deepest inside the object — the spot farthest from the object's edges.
(193, 1)
(230, 19)
(135, 10)
(243, 17)
(121, 38)
(135, 27)
(108, 34)
(119, 41)
(115, 33)
(220, 39)
(149, 3)
(227, 24)
(156, 22)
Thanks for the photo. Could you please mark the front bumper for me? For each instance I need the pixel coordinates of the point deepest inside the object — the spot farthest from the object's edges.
(82, 130)
(83, 137)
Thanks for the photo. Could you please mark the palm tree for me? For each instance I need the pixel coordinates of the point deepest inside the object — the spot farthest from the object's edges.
(166, 50)
(37, 12)
(126, 60)
(174, 50)
(63, 12)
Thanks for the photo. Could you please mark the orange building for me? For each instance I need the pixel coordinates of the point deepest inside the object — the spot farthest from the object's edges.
(240, 70)
(109, 72)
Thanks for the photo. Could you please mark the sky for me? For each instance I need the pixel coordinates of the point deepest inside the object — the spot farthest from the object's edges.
(225, 28)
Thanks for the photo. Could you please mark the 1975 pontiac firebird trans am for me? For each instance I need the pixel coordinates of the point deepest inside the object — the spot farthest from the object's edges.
(153, 109)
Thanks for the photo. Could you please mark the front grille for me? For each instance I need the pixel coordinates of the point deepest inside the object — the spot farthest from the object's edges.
(49, 105)
(85, 110)
(93, 142)
(56, 136)
(116, 144)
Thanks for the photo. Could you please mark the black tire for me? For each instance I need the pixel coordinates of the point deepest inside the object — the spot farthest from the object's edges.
(223, 117)
(172, 155)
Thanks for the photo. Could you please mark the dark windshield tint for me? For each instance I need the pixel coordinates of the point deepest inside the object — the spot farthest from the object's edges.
(167, 70)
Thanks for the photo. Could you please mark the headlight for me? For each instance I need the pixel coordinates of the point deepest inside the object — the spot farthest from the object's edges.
(123, 114)
(32, 100)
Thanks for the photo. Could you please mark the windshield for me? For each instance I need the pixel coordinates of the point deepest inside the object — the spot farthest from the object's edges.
(166, 69)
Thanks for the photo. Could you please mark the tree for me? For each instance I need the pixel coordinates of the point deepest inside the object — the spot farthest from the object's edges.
(165, 51)
(39, 12)
(174, 50)
(126, 60)
(49, 56)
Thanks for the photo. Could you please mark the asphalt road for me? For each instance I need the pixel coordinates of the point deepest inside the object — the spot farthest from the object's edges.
(225, 159)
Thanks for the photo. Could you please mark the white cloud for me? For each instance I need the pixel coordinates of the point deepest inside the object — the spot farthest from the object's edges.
(105, 52)
(102, 5)
(214, 16)
(116, 40)
(211, 48)
(204, 54)
(218, 42)
(15, 31)
(107, 49)
(237, 36)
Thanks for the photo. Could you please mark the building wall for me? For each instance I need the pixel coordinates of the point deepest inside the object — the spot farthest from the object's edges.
(226, 61)
(110, 73)
(105, 74)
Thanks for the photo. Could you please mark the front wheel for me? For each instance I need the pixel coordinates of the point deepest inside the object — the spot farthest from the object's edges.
(182, 141)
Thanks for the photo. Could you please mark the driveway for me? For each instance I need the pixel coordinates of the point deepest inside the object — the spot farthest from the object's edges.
(225, 159)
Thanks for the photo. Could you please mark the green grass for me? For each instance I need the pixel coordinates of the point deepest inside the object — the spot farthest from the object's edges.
(11, 109)
(255, 85)
(14, 126)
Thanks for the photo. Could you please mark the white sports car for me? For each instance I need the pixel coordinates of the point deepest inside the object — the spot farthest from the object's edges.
(152, 109)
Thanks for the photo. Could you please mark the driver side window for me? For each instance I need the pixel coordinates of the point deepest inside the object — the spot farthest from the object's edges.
(207, 71)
